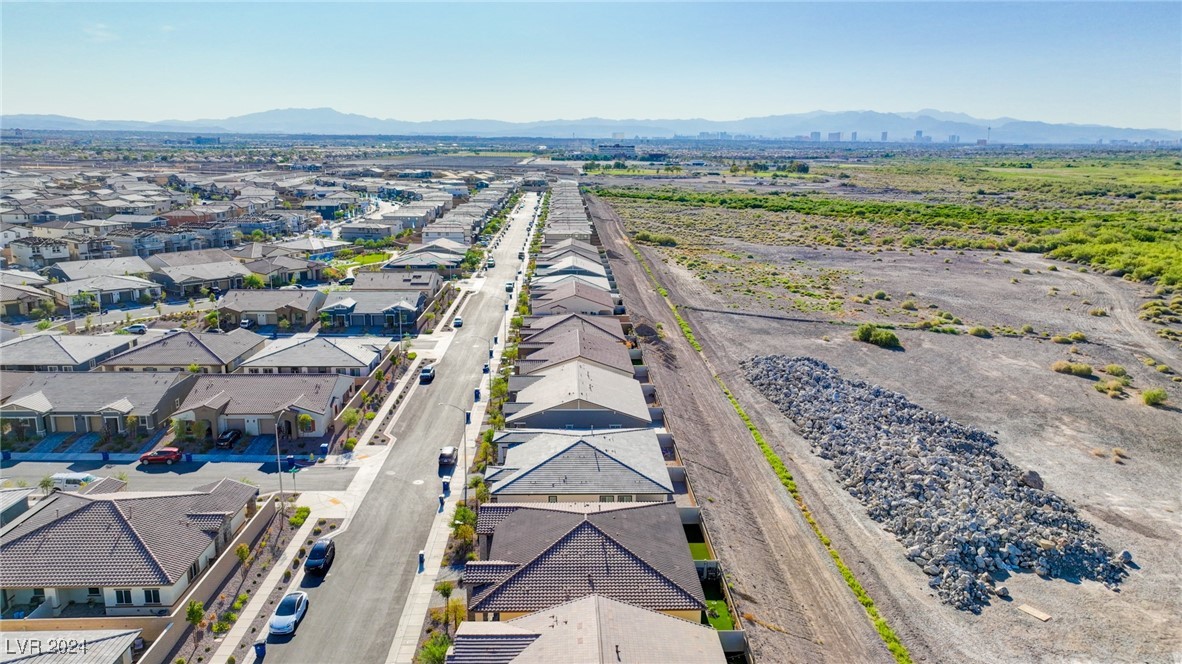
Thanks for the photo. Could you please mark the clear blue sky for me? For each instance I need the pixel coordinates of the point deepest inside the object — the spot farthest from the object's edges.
(1108, 63)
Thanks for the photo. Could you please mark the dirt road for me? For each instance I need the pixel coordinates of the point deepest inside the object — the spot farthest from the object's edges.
(780, 573)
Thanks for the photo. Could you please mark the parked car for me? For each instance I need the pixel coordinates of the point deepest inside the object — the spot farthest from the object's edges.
(491, 263)
(347, 281)
(448, 456)
(427, 374)
(246, 323)
(289, 613)
(320, 558)
(228, 438)
(138, 328)
(71, 481)
(509, 286)
(458, 322)
(520, 255)
(165, 455)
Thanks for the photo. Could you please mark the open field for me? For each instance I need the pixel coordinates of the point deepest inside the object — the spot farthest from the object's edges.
(754, 281)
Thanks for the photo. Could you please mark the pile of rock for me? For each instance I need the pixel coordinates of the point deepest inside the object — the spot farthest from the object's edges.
(963, 512)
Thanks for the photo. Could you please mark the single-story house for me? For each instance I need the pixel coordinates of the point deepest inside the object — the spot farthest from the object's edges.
(280, 270)
(122, 266)
(444, 256)
(536, 327)
(537, 555)
(61, 352)
(349, 356)
(540, 286)
(127, 553)
(362, 231)
(576, 265)
(426, 281)
(576, 298)
(187, 258)
(586, 344)
(566, 466)
(252, 251)
(576, 395)
(568, 248)
(112, 290)
(94, 401)
(265, 403)
(592, 629)
(18, 300)
(298, 307)
(187, 280)
(386, 308)
(180, 351)
(315, 248)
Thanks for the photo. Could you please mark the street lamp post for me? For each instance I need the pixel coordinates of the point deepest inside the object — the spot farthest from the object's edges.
(279, 467)
(463, 449)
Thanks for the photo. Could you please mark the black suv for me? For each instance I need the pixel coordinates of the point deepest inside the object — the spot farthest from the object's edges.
(321, 556)
(228, 438)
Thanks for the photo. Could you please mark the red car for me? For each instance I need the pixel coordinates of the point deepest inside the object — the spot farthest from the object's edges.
(167, 455)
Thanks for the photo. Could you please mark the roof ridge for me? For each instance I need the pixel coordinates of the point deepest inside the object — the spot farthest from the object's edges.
(523, 566)
(140, 540)
(642, 559)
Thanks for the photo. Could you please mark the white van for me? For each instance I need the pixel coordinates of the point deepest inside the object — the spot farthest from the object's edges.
(72, 481)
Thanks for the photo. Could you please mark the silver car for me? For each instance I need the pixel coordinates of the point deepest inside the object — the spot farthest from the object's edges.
(289, 613)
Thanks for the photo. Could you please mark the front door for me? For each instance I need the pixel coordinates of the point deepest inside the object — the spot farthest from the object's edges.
(251, 426)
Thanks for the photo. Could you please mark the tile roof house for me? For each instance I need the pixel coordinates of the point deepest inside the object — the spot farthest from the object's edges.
(388, 309)
(567, 248)
(178, 351)
(574, 298)
(256, 250)
(348, 356)
(280, 270)
(576, 395)
(188, 258)
(609, 466)
(17, 300)
(267, 307)
(125, 265)
(590, 630)
(538, 285)
(94, 401)
(186, 280)
(537, 555)
(567, 344)
(109, 289)
(535, 326)
(265, 403)
(132, 553)
(61, 352)
(574, 265)
(427, 282)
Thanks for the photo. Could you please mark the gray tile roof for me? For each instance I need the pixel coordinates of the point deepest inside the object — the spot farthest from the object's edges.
(103, 485)
(574, 264)
(184, 348)
(575, 289)
(104, 283)
(189, 258)
(270, 300)
(89, 392)
(204, 271)
(318, 352)
(117, 539)
(254, 394)
(428, 282)
(578, 343)
(590, 630)
(543, 323)
(103, 646)
(578, 385)
(373, 301)
(97, 268)
(637, 555)
(539, 284)
(58, 349)
(565, 463)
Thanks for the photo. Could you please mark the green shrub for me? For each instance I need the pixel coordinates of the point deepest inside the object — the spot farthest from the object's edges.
(1072, 368)
(1077, 336)
(1027, 329)
(871, 334)
(979, 331)
(880, 295)
(1099, 312)
(301, 515)
(1154, 397)
(350, 444)
(909, 305)
(1115, 370)
(1060, 339)
(411, 355)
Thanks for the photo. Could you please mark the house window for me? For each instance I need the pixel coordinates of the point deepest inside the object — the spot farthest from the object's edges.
(552, 499)
(195, 569)
(569, 427)
(615, 426)
(151, 595)
(94, 592)
(607, 499)
(51, 368)
(175, 369)
(123, 596)
(624, 498)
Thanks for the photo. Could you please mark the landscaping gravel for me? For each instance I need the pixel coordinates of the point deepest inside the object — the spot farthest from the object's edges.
(964, 514)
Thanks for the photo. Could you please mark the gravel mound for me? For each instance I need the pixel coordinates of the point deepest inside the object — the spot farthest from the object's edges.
(963, 512)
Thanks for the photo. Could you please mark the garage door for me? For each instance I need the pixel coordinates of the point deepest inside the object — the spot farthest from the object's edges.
(267, 425)
(63, 423)
(235, 423)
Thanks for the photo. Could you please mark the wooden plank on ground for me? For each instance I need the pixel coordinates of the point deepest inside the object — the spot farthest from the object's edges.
(1034, 612)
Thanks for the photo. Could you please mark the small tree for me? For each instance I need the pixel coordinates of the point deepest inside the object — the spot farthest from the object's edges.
(131, 424)
(350, 418)
(434, 649)
(253, 281)
(305, 422)
(213, 318)
(242, 551)
(380, 376)
(194, 368)
(284, 324)
(195, 615)
(444, 588)
(46, 484)
(457, 610)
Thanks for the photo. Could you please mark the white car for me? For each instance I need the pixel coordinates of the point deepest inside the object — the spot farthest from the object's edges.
(289, 613)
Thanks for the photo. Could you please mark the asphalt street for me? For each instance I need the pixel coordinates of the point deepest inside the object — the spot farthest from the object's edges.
(353, 612)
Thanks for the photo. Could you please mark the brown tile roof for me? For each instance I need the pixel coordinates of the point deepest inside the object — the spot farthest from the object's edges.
(577, 342)
(636, 555)
(607, 324)
(185, 348)
(117, 539)
(253, 394)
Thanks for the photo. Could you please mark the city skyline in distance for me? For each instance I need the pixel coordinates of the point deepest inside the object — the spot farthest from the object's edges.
(1113, 64)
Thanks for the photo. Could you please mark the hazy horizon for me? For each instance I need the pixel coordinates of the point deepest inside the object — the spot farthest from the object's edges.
(1115, 64)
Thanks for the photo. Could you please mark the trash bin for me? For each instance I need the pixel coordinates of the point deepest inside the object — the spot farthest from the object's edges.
(323, 449)
(476, 394)
(260, 649)
(6, 455)
(189, 457)
(106, 456)
(289, 461)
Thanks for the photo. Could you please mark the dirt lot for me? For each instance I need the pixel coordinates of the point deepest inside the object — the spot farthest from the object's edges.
(1055, 424)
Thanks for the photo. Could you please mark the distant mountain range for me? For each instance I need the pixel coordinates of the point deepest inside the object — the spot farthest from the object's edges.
(869, 125)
